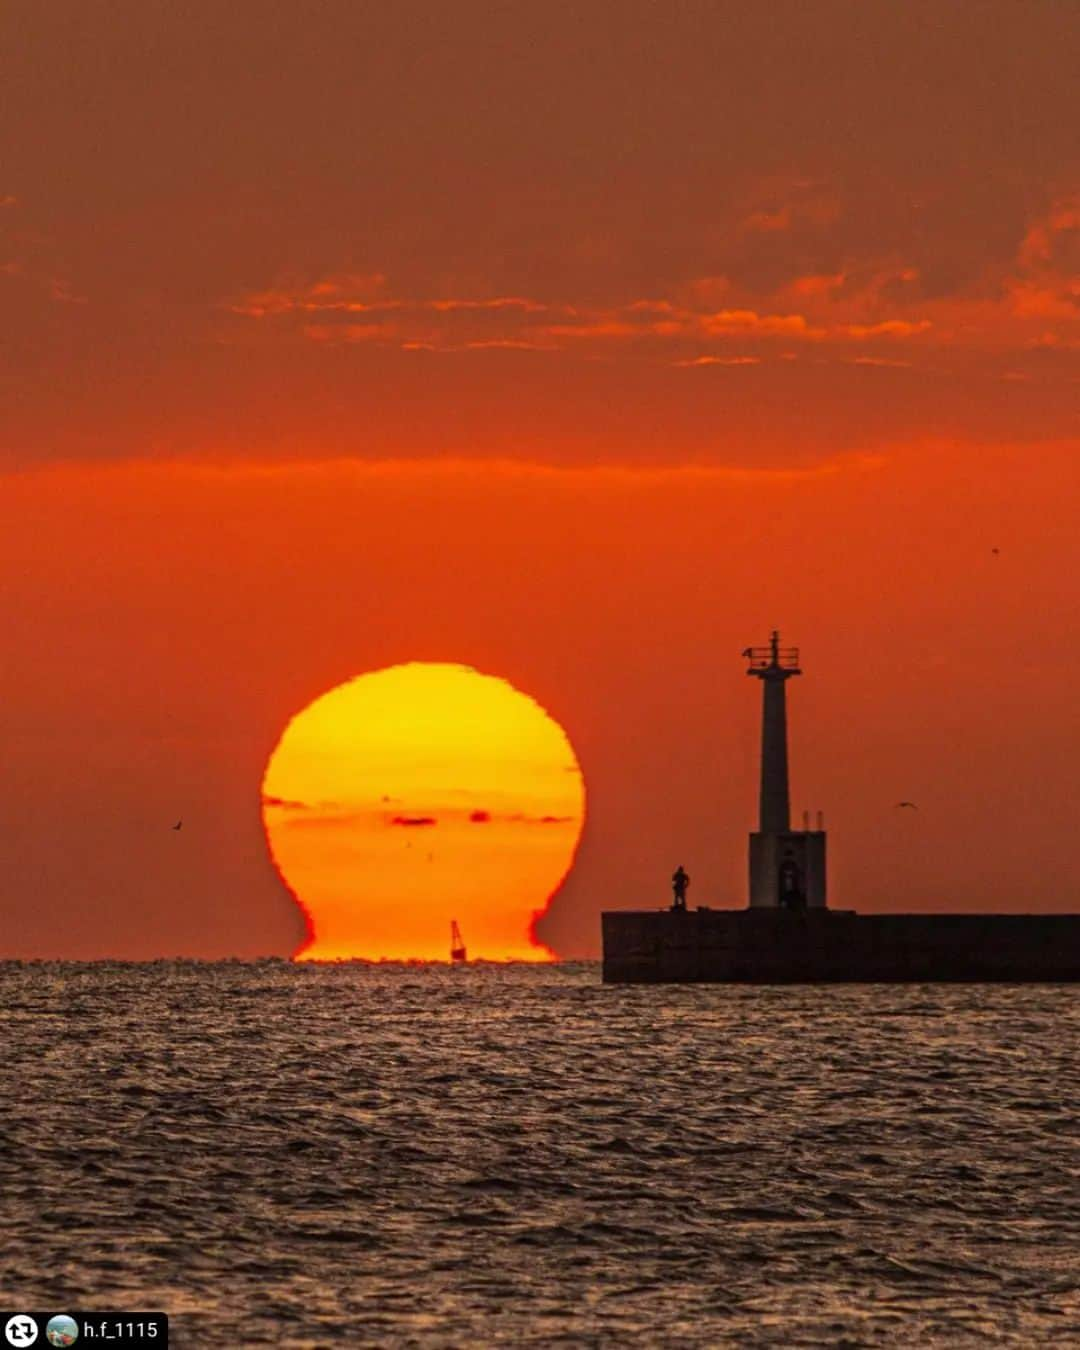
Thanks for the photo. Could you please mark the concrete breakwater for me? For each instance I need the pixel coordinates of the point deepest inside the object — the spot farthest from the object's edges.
(778, 946)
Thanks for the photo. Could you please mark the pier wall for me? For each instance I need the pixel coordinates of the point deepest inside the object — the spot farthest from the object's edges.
(780, 947)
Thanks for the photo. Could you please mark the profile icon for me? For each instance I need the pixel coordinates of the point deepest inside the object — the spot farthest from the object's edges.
(62, 1330)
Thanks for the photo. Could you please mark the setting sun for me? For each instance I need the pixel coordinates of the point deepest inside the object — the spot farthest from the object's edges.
(419, 794)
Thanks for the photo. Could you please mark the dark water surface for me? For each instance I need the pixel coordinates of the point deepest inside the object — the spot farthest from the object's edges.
(393, 1155)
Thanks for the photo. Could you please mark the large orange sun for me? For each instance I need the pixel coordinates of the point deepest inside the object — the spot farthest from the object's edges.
(420, 794)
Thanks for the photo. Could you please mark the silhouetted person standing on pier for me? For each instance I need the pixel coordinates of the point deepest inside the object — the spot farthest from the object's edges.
(680, 880)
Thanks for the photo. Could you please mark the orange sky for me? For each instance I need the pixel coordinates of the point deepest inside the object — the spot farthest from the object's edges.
(581, 344)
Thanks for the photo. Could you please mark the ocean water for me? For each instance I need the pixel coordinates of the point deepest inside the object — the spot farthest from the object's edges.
(395, 1155)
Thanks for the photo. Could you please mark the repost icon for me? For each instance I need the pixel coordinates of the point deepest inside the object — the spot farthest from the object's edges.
(21, 1330)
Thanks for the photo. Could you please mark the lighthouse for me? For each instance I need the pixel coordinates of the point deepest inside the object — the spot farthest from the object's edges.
(787, 867)
(788, 934)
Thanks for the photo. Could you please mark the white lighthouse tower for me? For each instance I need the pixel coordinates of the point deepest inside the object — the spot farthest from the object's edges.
(787, 867)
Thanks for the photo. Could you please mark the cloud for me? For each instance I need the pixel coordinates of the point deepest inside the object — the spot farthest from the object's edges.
(1044, 282)
(750, 321)
(499, 302)
(518, 818)
(364, 295)
(507, 344)
(1060, 301)
(598, 327)
(859, 298)
(1054, 237)
(720, 361)
(349, 291)
(285, 803)
(412, 822)
(887, 328)
(817, 284)
(652, 325)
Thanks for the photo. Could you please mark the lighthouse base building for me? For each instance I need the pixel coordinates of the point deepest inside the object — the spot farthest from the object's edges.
(787, 934)
(787, 869)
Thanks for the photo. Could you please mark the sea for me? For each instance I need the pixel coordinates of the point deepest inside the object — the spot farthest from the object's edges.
(512, 1155)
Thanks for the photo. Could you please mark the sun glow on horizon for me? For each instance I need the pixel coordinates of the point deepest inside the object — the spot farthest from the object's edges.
(418, 794)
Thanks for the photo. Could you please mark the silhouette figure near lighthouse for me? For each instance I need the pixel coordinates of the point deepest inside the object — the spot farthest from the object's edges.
(680, 880)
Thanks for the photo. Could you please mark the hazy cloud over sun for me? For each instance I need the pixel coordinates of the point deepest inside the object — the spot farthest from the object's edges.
(285, 804)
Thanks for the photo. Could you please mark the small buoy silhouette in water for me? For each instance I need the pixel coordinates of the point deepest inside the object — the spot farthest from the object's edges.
(458, 955)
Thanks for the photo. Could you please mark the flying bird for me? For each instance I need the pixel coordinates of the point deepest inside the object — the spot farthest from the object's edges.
(910, 804)
(179, 825)
(995, 550)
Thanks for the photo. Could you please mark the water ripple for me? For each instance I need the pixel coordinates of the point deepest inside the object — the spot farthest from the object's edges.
(519, 1156)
